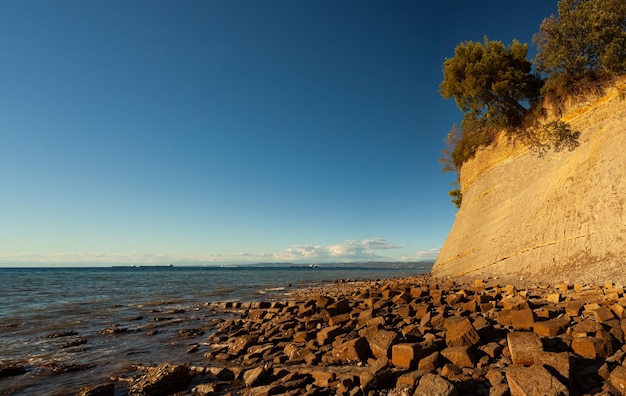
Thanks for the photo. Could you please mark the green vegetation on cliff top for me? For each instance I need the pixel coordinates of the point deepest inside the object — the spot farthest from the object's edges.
(580, 50)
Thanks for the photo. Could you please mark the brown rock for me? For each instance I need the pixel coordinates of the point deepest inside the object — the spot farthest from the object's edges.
(355, 350)
(522, 319)
(322, 301)
(97, 390)
(618, 379)
(430, 362)
(504, 317)
(410, 379)
(492, 349)
(573, 308)
(321, 377)
(604, 347)
(603, 314)
(585, 327)
(381, 343)
(523, 347)
(554, 298)
(205, 389)
(514, 303)
(239, 345)
(254, 376)
(585, 347)
(560, 364)
(552, 327)
(366, 315)
(460, 356)
(461, 332)
(405, 355)
(164, 379)
(618, 310)
(328, 334)
(377, 376)
(534, 380)
(432, 384)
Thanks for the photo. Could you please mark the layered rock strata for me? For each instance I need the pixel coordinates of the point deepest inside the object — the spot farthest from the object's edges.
(561, 214)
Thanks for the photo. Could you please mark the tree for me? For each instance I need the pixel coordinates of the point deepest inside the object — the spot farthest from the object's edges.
(492, 84)
(586, 42)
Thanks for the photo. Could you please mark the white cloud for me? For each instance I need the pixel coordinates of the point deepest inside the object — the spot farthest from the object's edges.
(375, 249)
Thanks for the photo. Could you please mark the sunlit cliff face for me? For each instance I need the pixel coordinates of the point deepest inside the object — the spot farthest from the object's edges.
(557, 216)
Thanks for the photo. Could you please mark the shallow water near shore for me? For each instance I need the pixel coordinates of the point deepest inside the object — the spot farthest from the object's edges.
(52, 319)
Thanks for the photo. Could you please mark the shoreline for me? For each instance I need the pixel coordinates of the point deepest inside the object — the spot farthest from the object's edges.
(409, 335)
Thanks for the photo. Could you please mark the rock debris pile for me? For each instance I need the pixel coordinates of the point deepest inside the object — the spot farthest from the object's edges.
(413, 336)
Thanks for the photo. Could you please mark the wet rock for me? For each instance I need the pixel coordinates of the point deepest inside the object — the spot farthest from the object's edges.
(73, 343)
(62, 334)
(97, 390)
(11, 370)
(162, 380)
(114, 330)
(190, 333)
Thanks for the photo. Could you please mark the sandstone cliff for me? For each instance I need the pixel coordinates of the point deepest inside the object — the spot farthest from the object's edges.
(560, 216)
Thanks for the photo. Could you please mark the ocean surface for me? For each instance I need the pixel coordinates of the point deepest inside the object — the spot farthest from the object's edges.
(52, 320)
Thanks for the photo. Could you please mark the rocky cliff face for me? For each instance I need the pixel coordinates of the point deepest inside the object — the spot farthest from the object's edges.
(562, 215)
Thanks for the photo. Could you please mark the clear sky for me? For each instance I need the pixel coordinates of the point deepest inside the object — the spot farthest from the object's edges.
(231, 131)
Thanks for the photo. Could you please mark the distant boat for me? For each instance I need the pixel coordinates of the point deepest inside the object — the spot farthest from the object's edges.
(313, 266)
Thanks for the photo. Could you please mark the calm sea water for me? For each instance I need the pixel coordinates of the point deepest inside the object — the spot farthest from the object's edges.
(149, 304)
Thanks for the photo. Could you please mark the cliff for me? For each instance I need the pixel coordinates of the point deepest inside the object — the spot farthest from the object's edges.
(560, 216)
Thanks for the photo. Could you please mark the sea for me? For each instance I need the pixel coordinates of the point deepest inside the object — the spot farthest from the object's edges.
(73, 327)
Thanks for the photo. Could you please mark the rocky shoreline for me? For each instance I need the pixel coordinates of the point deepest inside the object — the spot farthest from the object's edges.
(408, 336)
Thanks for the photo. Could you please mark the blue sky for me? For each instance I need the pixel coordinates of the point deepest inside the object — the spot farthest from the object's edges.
(231, 131)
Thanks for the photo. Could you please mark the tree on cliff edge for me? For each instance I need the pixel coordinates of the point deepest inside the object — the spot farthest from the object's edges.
(585, 43)
(492, 84)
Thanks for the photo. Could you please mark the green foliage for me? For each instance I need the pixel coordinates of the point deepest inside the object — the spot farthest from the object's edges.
(584, 43)
(457, 197)
(555, 135)
(490, 83)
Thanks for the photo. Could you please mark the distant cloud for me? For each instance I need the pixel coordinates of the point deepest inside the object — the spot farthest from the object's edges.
(375, 249)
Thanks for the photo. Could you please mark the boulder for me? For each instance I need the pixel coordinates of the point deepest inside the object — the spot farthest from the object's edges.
(381, 343)
(432, 384)
(551, 327)
(523, 347)
(460, 356)
(617, 378)
(240, 344)
(461, 332)
(522, 319)
(534, 380)
(355, 350)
